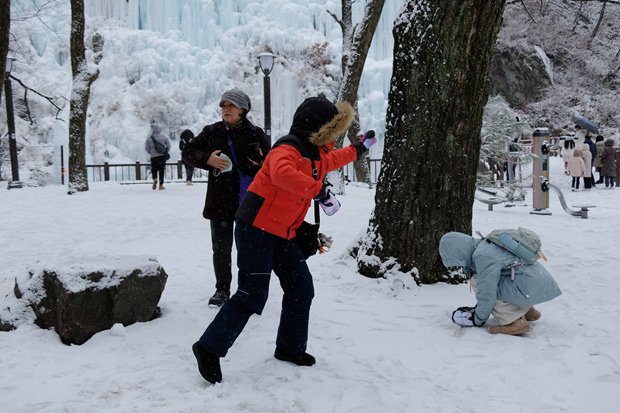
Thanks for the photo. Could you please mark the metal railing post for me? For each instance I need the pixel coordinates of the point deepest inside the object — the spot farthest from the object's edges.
(180, 169)
(106, 171)
(138, 171)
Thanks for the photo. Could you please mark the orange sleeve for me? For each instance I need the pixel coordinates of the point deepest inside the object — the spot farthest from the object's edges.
(284, 164)
(337, 159)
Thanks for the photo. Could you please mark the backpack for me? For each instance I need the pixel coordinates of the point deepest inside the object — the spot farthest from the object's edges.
(522, 242)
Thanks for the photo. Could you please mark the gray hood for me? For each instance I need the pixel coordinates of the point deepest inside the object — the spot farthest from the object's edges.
(456, 250)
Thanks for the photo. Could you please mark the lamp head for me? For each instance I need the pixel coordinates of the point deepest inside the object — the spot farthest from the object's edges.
(9, 64)
(265, 61)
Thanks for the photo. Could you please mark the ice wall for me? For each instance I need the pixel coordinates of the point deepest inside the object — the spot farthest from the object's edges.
(170, 60)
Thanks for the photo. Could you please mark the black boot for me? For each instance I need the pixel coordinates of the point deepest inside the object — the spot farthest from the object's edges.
(208, 364)
(219, 298)
(301, 359)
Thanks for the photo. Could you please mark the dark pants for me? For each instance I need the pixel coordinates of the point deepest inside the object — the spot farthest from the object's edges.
(587, 182)
(575, 183)
(158, 168)
(609, 181)
(258, 254)
(222, 242)
(189, 172)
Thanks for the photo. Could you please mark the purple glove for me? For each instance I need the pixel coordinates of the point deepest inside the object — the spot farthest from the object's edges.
(330, 205)
(365, 142)
(368, 139)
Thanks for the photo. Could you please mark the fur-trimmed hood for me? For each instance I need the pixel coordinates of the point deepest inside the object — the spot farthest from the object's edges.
(320, 121)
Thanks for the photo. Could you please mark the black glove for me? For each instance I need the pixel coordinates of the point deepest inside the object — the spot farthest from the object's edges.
(365, 142)
(464, 316)
(327, 201)
(323, 194)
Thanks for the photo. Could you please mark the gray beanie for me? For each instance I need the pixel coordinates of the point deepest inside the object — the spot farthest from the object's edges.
(237, 98)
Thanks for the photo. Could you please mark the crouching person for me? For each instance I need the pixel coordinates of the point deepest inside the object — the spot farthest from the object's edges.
(506, 291)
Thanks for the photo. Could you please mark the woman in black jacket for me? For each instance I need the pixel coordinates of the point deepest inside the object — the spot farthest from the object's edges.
(232, 151)
(186, 136)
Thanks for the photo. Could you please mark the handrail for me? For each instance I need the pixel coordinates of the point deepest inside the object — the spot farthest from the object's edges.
(563, 202)
(141, 171)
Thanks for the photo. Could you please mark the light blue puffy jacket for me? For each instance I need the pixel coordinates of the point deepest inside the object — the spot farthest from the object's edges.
(532, 284)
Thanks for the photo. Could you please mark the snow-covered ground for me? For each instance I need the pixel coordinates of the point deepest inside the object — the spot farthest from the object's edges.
(381, 345)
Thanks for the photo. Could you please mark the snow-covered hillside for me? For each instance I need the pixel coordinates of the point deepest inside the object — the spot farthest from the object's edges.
(168, 61)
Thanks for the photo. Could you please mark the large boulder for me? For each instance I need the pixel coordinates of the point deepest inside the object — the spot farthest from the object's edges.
(520, 73)
(80, 297)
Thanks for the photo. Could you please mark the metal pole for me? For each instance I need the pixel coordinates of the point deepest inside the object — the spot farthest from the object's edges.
(10, 119)
(267, 93)
(62, 164)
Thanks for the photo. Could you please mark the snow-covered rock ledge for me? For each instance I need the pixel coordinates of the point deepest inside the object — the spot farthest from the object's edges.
(80, 297)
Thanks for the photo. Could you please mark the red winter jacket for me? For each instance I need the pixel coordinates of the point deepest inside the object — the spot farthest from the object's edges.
(282, 191)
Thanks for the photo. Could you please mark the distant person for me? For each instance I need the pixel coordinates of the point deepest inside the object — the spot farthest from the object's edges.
(600, 145)
(232, 150)
(186, 136)
(576, 169)
(580, 136)
(608, 164)
(157, 146)
(586, 155)
(567, 152)
(592, 149)
(267, 223)
(489, 269)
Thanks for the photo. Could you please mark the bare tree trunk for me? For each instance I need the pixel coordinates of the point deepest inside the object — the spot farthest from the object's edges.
(442, 55)
(78, 108)
(355, 44)
(598, 24)
(5, 24)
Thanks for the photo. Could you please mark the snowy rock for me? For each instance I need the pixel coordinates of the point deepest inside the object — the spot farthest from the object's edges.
(80, 297)
(520, 73)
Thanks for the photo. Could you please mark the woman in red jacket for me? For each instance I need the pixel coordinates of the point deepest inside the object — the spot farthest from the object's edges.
(274, 207)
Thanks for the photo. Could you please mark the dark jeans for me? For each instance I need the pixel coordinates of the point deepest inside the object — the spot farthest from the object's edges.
(158, 167)
(222, 242)
(189, 172)
(258, 254)
(575, 183)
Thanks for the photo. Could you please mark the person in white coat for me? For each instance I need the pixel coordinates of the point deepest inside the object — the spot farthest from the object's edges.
(586, 155)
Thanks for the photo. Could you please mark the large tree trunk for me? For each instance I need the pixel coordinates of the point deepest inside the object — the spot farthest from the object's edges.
(355, 44)
(82, 80)
(5, 24)
(442, 53)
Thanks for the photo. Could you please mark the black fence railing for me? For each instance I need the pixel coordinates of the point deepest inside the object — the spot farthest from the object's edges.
(139, 171)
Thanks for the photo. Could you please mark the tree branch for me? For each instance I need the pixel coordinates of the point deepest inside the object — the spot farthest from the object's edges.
(337, 20)
(527, 11)
(48, 98)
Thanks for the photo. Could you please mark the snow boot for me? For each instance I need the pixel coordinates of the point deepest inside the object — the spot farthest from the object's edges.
(154, 184)
(519, 326)
(219, 298)
(532, 314)
(161, 186)
(301, 359)
(208, 364)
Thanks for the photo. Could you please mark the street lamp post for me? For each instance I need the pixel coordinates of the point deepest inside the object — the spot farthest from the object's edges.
(266, 60)
(10, 120)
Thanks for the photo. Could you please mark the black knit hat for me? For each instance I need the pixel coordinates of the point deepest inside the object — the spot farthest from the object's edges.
(237, 98)
(187, 135)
